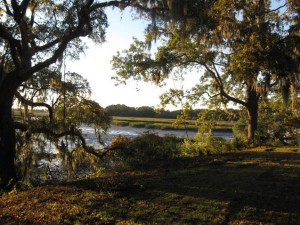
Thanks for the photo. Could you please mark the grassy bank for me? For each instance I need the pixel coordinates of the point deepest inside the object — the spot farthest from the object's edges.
(258, 186)
(165, 124)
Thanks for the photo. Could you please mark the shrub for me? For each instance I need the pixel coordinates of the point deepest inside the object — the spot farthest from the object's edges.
(190, 148)
(145, 149)
(204, 145)
(120, 142)
(239, 143)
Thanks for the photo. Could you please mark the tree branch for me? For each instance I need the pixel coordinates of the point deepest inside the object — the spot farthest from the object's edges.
(221, 87)
(24, 6)
(80, 31)
(7, 8)
(76, 133)
(72, 132)
(280, 7)
(35, 104)
(110, 3)
(123, 4)
(13, 44)
(46, 46)
(20, 126)
(16, 9)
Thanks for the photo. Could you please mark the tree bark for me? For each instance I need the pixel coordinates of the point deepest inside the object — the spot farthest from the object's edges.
(8, 174)
(252, 122)
(252, 110)
(7, 149)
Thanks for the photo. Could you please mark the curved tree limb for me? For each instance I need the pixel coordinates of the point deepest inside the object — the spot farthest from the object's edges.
(216, 76)
(20, 126)
(72, 132)
(218, 79)
(36, 104)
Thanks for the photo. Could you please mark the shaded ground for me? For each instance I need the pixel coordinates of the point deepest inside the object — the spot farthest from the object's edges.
(251, 187)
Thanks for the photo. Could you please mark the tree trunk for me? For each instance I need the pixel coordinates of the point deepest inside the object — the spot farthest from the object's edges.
(294, 98)
(7, 149)
(8, 175)
(252, 122)
(252, 110)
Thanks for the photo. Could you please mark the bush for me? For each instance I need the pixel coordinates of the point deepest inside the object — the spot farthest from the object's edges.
(204, 145)
(150, 147)
(239, 143)
(190, 148)
(145, 149)
(120, 142)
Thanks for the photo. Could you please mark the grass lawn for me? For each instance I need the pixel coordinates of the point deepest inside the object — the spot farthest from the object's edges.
(258, 186)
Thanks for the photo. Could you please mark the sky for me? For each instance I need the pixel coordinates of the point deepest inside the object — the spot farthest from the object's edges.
(95, 66)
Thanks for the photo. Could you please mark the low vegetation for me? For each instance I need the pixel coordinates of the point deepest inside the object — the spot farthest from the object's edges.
(166, 124)
(256, 186)
(145, 149)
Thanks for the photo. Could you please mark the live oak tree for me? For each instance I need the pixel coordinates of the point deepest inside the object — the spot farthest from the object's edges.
(35, 35)
(246, 48)
(66, 97)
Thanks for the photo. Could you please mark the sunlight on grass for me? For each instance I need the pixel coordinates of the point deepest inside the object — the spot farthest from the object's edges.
(250, 187)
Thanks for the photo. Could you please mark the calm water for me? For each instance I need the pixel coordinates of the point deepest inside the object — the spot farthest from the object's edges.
(133, 132)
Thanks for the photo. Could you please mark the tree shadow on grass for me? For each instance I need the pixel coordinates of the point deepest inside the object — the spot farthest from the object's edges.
(247, 188)
(259, 188)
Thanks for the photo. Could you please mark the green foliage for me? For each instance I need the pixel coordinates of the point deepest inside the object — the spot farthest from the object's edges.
(243, 49)
(145, 149)
(204, 144)
(182, 119)
(137, 63)
(35, 39)
(240, 131)
(278, 125)
(240, 143)
(49, 141)
(148, 148)
(121, 110)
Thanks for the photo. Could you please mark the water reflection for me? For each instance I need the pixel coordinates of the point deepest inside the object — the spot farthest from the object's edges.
(132, 132)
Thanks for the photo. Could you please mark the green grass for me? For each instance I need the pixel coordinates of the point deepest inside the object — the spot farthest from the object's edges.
(165, 124)
(258, 186)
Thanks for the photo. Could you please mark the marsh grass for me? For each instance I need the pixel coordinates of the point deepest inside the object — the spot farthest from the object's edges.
(166, 124)
(256, 186)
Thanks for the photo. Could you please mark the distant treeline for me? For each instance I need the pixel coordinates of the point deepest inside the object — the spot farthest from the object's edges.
(147, 111)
